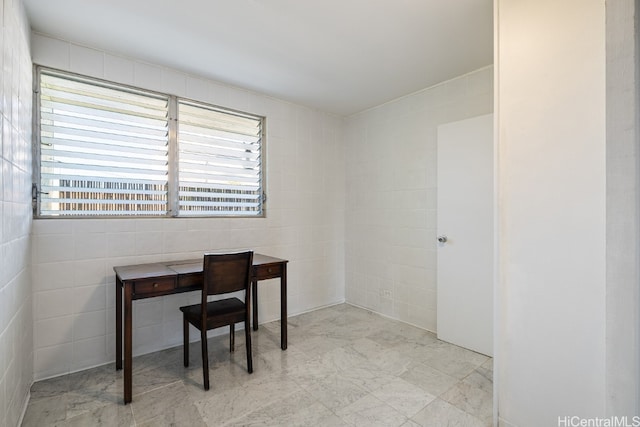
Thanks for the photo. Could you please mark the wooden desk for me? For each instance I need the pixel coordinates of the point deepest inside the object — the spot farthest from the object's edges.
(173, 277)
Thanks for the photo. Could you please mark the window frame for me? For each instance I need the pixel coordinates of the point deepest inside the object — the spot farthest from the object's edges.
(173, 184)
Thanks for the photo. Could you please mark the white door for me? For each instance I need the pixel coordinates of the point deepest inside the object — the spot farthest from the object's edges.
(465, 221)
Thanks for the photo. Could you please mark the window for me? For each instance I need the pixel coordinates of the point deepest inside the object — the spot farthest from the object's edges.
(219, 166)
(110, 150)
(103, 150)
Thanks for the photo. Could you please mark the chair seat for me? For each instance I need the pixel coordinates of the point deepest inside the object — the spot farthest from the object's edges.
(226, 311)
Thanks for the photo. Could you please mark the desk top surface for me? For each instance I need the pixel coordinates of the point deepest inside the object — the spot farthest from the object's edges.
(187, 266)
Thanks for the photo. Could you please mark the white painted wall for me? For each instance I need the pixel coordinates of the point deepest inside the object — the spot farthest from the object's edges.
(623, 209)
(16, 317)
(73, 259)
(391, 196)
(550, 343)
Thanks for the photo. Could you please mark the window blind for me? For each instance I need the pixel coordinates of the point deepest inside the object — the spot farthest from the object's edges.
(219, 166)
(104, 148)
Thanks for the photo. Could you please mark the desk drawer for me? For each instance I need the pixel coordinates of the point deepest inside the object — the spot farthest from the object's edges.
(152, 286)
(191, 280)
(268, 271)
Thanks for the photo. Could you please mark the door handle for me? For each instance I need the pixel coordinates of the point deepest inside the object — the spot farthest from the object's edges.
(442, 238)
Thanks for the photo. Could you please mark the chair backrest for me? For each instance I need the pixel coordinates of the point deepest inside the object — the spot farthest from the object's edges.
(224, 273)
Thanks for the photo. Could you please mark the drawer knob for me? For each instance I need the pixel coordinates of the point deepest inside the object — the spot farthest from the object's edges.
(269, 270)
(155, 285)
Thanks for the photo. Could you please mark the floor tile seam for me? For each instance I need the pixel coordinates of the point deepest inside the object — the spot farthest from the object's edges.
(312, 355)
(97, 389)
(388, 371)
(325, 406)
(458, 380)
(379, 400)
(426, 406)
(422, 409)
(444, 373)
(301, 384)
(26, 415)
(455, 406)
(474, 416)
(439, 396)
(432, 396)
(475, 386)
(133, 412)
(476, 371)
(349, 366)
(68, 418)
(460, 408)
(234, 419)
(334, 411)
(314, 400)
(41, 399)
(354, 383)
(160, 387)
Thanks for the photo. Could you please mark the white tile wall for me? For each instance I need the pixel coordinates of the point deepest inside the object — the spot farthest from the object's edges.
(16, 314)
(391, 196)
(73, 259)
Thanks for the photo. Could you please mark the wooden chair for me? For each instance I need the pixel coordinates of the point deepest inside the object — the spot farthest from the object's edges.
(224, 273)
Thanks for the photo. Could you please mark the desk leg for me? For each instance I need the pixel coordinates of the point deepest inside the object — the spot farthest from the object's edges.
(254, 292)
(283, 307)
(128, 342)
(118, 324)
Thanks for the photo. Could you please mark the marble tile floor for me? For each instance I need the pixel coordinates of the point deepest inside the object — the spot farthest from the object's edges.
(344, 366)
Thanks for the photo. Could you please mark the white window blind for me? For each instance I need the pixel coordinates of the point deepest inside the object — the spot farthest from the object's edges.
(106, 149)
(103, 148)
(219, 169)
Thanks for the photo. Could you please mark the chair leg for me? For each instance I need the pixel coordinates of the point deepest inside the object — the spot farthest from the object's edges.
(232, 337)
(247, 334)
(185, 334)
(205, 357)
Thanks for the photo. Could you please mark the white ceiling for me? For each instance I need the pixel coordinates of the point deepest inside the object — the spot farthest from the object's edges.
(341, 56)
